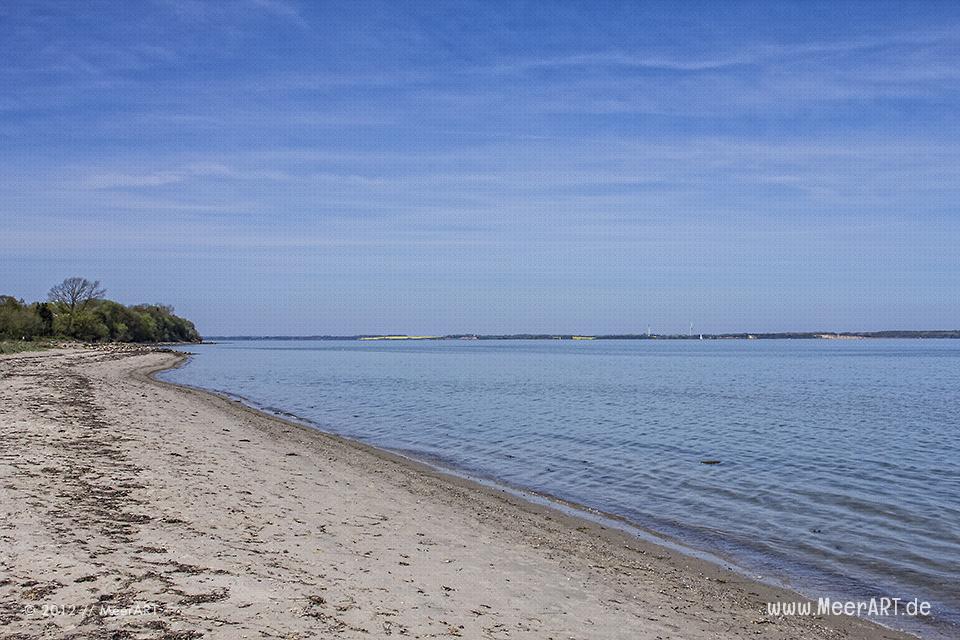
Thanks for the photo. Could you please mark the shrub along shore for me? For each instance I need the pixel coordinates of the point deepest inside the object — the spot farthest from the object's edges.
(77, 309)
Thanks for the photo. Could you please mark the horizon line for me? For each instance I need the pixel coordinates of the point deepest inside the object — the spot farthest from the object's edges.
(887, 333)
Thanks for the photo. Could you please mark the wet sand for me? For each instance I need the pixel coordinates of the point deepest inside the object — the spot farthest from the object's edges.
(131, 508)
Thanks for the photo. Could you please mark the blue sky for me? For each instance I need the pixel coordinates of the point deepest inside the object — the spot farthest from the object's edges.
(268, 166)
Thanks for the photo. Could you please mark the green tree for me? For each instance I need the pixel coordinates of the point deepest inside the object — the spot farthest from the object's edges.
(74, 295)
(46, 318)
(88, 326)
(17, 320)
(77, 310)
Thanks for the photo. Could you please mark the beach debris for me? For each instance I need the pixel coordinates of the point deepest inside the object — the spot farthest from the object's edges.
(38, 591)
(201, 598)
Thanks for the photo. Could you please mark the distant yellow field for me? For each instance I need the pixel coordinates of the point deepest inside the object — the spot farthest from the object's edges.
(582, 337)
(398, 338)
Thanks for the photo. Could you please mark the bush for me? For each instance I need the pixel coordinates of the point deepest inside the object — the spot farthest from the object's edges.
(98, 321)
(19, 321)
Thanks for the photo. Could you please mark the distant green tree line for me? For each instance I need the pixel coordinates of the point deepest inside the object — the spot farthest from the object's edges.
(77, 309)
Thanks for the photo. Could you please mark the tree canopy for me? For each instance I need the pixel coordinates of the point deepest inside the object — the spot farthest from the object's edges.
(77, 309)
(74, 295)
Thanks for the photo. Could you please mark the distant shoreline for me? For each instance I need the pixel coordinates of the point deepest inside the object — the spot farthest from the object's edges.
(800, 335)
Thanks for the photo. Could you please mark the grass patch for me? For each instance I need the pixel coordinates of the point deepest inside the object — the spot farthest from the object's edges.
(19, 346)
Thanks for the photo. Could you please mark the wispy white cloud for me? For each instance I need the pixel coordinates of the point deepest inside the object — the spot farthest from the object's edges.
(757, 77)
(752, 54)
(283, 9)
(204, 169)
(206, 11)
(620, 59)
(554, 182)
(124, 181)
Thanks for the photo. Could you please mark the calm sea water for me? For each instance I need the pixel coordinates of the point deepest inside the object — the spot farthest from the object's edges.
(840, 460)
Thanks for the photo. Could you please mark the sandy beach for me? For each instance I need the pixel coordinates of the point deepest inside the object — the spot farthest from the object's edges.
(131, 508)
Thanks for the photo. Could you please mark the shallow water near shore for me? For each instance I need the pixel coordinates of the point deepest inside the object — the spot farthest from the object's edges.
(839, 461)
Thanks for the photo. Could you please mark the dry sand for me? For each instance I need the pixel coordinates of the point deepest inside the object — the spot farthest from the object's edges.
(221, 522)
